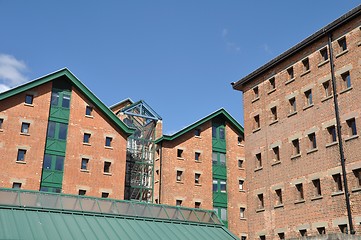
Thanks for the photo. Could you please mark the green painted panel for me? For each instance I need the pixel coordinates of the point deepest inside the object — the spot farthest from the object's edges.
(52, 176)
(55, 145)
(59, 114)
(219, 171)
(219, 145)
(220, 199)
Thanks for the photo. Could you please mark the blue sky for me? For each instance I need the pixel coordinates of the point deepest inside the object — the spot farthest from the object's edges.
(178, 56)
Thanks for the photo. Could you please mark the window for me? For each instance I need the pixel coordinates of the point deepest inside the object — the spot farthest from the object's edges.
(274, 113)
(218, 131)
(332, 134)
(255, 93)
(239, 139)
(276, 154)
(240, 184)
(218, 158)
(243, 238)
(272, 83)
(222, 159)
(317, 187)
(306, 64)
(224, 214)
(308, 96)
(197, 132)
(178, 203)
(197, 205)
(81, 192)
(279, 200)
(338, 182)
(312, 140)
(108, 141)
(303, 232)
(107, 167)
(342, 44)
(88, 111)
(351, 123)
(57, 130)
(1, 123)
(179, 153)
(327, 88)
(357, 173)
(219, 185)
(197, 156)
(105, 195)
(29, 99)
(197, 177)
(262, 237)
(346, 80)
(260, 201)
(321, 230)
(179, 175)
(25, 127)
(281, 235)
(241, 212)
(53, 162)
(290, 72)
(258, 160)
(257, 123)
(21, 155)
(296, 147)
(343, 228)
(84, 164)
(324, 54)
(16, 185)
(86, 138)
(223, 186)
(66, 101)
(299, 189)
(292, 102)
(240, 163)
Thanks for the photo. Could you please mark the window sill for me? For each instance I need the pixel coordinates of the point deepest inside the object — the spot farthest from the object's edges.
(108, 147)
(341, 53)
(180, 158)
(241, 168)
(198, 184)
(331, 144)
(255, 100)
(359, 43)
(278, 206)
(304, 73)
(28, 105)
(256, 130)
(351, 138)
(260, 210)
(273, 122)
(292, 113)
(25, 134)
(316, 198)
(89, 116)
(157, 159)
(356, 189)
(334, 194)
(346, 90)
(326, 98)
(271, 91)
(312, 150)
(300, 201)
(243, 191)
(21, 162)
(180, 182)
(276, 163)
(258, 169)
(308, 106)
(1, 130)
(197, 161)
(240, 144)
(107, 174)
(243, 219)
(323, 63)
(289, 81)
(84, 170)
(86, 144)
(199, 137)
(156, 181)
(295, 156)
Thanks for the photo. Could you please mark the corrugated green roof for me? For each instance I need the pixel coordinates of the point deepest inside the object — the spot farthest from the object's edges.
(220, 112)
(79, 85)
(37, 215)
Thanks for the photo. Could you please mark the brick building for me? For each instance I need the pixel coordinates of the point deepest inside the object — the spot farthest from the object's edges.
(202, 166)
(294, 168)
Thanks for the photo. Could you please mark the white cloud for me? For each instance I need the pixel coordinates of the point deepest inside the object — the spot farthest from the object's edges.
(11, 72)
(230, 45)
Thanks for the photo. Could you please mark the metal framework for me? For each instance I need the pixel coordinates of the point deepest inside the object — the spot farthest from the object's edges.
(139, 176)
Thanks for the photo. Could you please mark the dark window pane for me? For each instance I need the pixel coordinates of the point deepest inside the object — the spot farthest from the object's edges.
(21, 155)
(215, 185)
(66, 101)
(62, 131)
(44, 189)
(59, 163)
(222, 158)
(221, 133)
(86, 138)
(29, 99)
(88, 111)
(54, 98)
(47, 161)
(108, 141)
(214, 132)
(214, 158)
(57, 190)
(84, 163)
(51, 130)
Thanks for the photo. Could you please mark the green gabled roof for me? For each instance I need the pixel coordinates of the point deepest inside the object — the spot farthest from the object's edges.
(220, 112)
(79, 85)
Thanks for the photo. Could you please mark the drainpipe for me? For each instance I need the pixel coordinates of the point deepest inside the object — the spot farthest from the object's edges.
(339, 136)
(160, 171)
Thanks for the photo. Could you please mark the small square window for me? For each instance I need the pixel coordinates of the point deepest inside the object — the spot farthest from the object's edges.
(179, 153)
(197, 205)
(332, 134)
(263, 237)
(21, 155)
(343, 228)
(308, 96)
(1, 123)
(197, 132)
(242, 212)
(279, 200)
(272, 83)
(260, 201)
(299, 189)
(357, 173)
(197, 156)
(258, 160)
(317, 187)
(257, 123)
(81, 192)
(88, 111)
(179, 175)
(292, 102)
(281, 235)
(86, 138)
(274, 113)
(240, 163)
(338, 182)
(239, 139)
(342, 44)
(223, 185)
(108, 141)
(105, 195)
(324, 54)
(327, 88)
(197, 177)
(84, 163)
(290, 72)
(276, 154)
(16, 185)
(303, 232)
(296, 147)
(243, 238)
(346, 80)
(312, 140)
(107, 167)
(178, 203)
(352, 130)
(306, 64)
(25, 127)
(255, 92)
(240, 184)
(29, 99)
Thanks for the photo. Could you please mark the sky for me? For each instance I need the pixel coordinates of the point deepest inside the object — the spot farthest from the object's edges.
(178, 56)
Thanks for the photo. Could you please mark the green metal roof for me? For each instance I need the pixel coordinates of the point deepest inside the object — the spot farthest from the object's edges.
(79, 85)
(220, 112)
(37, 215)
